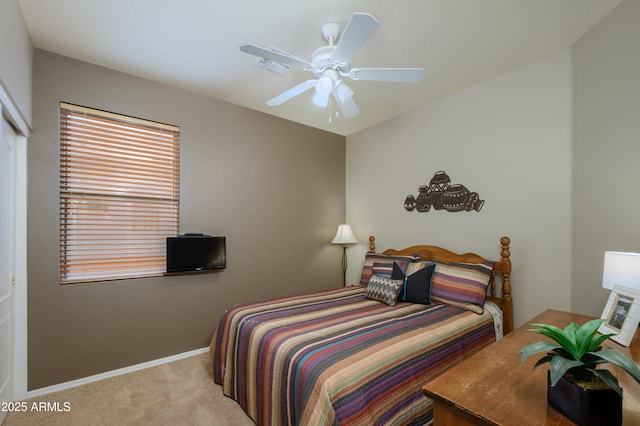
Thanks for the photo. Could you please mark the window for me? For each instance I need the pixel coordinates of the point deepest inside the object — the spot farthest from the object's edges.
(119, 195)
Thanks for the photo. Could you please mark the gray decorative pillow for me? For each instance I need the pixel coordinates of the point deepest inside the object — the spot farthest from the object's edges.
(383, 289)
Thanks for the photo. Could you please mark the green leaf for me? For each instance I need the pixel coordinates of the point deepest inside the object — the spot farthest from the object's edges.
(536, 348)
(616, 358)
(559, 336)
(596, 342)
(609, 379)
(584, 335)
(562, 352)
(559, 366)
(544, 359)
(571, 331)
(591, 359)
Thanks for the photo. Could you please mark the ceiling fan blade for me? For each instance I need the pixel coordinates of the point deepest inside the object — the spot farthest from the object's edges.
(276, 55)
(347, 106)
(401, 75)
(357, 31)
(291, 93)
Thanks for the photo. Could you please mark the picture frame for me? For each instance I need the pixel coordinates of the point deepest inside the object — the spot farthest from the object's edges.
(621, 314)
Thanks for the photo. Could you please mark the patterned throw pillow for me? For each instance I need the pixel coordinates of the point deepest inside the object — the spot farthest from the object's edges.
(383, 290)
(383, 265)
(461, 284)
(416, 281)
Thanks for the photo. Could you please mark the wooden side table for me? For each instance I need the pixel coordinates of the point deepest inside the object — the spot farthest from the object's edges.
(494, 388)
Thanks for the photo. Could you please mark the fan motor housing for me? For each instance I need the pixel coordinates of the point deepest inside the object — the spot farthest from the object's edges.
(321, 56)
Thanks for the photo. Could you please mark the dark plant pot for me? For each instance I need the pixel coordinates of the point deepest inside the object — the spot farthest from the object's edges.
(585, 406)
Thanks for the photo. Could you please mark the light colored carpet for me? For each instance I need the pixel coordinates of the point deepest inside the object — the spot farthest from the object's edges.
(177, 393)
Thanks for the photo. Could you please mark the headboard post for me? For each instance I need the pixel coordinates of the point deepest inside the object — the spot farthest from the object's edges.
(507, 307)
(372, 244)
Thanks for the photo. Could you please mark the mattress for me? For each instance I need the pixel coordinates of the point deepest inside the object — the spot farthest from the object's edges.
(336, 357)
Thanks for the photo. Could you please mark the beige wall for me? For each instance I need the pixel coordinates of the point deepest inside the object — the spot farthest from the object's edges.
(606, 150)
(552, 147)
(509, 140)
(16, 56)
(275, 189)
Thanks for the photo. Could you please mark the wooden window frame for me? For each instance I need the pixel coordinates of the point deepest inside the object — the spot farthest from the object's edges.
(119, 194)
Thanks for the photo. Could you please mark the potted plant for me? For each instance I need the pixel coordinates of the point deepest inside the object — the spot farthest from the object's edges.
(584, 394)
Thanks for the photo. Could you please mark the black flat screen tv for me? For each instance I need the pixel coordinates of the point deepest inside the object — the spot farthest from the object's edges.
(192, 253)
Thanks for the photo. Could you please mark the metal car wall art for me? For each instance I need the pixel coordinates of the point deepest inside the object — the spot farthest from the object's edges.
(442, 195)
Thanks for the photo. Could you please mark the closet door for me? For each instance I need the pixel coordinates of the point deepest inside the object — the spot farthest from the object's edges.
(7, 264)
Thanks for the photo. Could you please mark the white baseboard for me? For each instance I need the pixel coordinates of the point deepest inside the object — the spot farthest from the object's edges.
(113, 373)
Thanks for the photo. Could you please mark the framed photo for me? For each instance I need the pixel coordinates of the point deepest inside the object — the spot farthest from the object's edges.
(622, 314)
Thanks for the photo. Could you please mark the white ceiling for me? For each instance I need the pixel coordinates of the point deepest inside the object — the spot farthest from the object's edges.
(194, 44)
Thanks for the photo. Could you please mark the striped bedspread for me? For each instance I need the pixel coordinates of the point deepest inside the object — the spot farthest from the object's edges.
(335, 357)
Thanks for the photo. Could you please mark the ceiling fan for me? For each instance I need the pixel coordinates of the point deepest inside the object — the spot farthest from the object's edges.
(330, 63)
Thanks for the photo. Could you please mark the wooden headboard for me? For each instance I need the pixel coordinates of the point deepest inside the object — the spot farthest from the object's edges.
(501, 270)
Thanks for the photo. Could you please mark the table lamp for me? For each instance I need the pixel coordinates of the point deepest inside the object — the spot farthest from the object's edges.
(344, 237)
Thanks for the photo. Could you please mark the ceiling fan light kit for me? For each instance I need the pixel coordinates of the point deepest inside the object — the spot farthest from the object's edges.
(343, 92)
(330, 63)
(324, 86)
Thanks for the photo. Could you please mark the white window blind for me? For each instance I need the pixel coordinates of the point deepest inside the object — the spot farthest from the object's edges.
(119, 195)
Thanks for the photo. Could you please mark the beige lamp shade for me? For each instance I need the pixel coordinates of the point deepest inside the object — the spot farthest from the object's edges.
(344, 236)
(621, 268)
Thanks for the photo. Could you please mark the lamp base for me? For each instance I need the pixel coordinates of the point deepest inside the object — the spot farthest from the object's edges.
(344, 266)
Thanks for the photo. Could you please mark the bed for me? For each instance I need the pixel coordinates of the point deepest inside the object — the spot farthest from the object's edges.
(354, 355)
